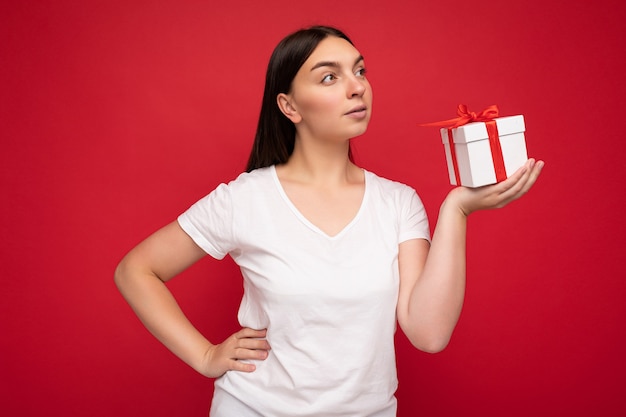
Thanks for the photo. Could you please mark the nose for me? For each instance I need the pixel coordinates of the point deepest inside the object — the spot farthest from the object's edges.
(357, 87)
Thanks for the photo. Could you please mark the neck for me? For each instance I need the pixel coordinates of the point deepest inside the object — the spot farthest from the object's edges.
(321, 163)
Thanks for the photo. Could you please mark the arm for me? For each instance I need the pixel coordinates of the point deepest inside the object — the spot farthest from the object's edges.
(141, 278)
(432, 279)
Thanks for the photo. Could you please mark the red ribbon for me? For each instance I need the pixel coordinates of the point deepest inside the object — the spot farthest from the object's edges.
(455, 164)
(496, 150)
(465, 117)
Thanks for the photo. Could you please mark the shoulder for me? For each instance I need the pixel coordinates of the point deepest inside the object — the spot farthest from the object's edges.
(254, 177)
(245, 186)
(394, 195)
(248, 183)
(387, 186)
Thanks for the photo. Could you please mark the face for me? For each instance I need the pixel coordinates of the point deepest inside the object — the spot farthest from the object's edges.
(330, 97)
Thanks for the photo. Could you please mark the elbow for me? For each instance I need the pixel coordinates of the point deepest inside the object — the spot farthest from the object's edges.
(120, 276)
(430, 335)
(432, 346)
(429, 342)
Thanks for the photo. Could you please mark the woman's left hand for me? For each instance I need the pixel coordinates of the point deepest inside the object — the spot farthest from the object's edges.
(497, 195)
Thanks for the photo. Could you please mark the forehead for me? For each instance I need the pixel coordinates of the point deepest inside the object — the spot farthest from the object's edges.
(332, 49)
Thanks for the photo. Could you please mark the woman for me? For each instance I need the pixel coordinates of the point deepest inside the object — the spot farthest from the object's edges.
(332, 255)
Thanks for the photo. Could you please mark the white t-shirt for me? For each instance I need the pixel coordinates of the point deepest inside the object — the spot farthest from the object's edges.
(328, 303)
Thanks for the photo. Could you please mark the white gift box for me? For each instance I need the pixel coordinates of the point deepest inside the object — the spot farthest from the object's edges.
(474, 160)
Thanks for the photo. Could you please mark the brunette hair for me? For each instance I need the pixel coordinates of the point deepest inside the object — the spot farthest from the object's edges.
(275, 134)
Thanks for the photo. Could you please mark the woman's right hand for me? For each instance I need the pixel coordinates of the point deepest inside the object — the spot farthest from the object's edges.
(245, 344)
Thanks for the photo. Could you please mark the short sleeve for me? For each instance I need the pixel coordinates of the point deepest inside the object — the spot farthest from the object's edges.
(413, 218)
(209, 222)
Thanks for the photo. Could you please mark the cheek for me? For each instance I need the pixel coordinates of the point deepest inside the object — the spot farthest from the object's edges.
(316, 102)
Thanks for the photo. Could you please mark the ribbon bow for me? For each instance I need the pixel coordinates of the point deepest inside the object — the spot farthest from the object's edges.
(466, 116)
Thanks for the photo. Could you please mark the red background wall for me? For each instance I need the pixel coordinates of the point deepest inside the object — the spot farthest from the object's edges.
(117, 115)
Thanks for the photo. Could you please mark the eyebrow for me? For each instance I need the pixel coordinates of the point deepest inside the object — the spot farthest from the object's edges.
(334, 64)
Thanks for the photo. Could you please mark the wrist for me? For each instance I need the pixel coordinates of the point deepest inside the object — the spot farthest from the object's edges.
(202, 358)
(454, 203)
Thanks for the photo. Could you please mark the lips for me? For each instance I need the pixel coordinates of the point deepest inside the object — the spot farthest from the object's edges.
(357, 109)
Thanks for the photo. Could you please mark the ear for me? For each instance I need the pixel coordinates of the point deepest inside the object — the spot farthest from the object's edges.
(286, 107)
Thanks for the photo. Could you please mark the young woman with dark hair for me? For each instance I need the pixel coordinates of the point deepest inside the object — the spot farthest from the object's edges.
(332, 255)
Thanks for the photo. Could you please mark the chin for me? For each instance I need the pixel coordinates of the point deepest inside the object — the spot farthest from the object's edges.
(359, 132)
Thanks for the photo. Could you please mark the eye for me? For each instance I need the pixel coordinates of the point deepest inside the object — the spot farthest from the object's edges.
(329, 78)
(361, 72)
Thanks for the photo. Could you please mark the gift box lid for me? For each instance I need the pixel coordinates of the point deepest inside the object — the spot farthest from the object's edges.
(472, 132)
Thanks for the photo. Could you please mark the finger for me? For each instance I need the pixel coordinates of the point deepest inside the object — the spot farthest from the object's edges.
(502, 188)
(534, 174)
(514, 187)
(236, 365)
(530, 178)
(253, 343)
(247, 332)
(521, 171)
(243, 353)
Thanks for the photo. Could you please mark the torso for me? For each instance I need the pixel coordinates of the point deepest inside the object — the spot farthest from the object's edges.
(328, 302)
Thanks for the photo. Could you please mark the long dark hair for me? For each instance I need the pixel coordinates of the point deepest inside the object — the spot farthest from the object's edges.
(275, 134)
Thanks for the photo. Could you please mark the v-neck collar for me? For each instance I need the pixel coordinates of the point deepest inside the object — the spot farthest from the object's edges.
(310, 224)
